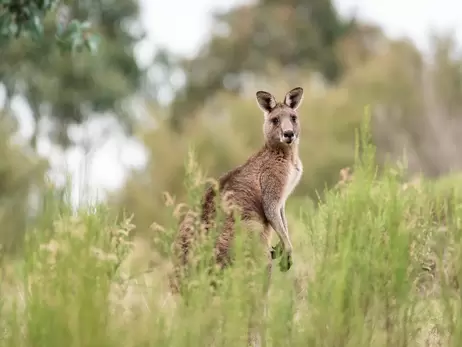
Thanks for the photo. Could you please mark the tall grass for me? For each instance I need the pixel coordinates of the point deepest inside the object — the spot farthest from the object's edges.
(377, 263)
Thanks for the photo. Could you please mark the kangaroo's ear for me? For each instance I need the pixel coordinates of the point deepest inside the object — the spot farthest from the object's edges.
(294, 98)
(266, 101)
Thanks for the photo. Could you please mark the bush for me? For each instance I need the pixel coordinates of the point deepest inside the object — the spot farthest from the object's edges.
(376, 264)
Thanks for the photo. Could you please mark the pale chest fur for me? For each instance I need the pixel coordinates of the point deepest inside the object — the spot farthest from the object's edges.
(293, 178)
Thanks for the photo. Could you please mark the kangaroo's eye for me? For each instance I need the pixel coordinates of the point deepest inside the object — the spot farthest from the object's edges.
(275, 121)
(294, 118)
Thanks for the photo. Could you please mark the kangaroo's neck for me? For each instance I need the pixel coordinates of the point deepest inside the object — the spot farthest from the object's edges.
(288, 152)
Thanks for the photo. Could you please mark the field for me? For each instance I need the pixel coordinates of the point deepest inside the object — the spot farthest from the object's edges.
(376, 263)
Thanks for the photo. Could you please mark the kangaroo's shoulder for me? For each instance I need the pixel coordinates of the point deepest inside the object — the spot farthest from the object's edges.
(246, 169)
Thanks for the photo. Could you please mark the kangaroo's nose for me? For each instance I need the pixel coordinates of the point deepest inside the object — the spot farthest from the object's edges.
(288, 134)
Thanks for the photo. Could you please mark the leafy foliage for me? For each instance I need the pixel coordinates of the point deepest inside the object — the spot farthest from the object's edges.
(254, 40)
(377, 264)
(20, 174)
(64, 90)
(18, 17)
(413, 124)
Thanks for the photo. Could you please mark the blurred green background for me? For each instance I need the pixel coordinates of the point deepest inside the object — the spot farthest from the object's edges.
(376, 263)
(125, 117)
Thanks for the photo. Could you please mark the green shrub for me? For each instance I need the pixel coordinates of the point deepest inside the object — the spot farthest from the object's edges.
(375, 264)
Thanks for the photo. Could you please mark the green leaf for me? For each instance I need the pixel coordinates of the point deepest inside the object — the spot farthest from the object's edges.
(12, 28)
(19, 30)
(59, 28)
(85, 25)
(63, 45)
(36, 28)
(92, 43)
(77, 43)
(71, 32)
(27, 11)
(74, 26)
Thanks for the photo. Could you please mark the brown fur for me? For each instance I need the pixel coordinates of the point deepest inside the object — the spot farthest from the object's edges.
(258, 188)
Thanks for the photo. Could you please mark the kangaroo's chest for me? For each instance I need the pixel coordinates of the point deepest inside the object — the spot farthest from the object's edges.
(293, 178)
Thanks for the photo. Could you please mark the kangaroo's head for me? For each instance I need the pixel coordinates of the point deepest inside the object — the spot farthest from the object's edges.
(281, 125)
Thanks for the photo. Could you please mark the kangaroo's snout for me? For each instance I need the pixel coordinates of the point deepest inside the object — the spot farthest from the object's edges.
(288, 136)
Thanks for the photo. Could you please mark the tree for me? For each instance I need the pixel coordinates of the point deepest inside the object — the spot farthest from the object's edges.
(19, 174)
(26, 17)
(252, 39)
(67, 89)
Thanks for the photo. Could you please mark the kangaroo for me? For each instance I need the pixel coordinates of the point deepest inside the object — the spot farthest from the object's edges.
(259, 187)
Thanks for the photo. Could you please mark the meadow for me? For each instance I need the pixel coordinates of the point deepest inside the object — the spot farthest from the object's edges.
(376, 263)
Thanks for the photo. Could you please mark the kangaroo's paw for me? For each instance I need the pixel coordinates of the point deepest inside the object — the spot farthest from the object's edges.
(286, 262)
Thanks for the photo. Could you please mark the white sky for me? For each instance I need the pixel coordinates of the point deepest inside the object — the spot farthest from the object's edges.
(412, 18)
(181, 25)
